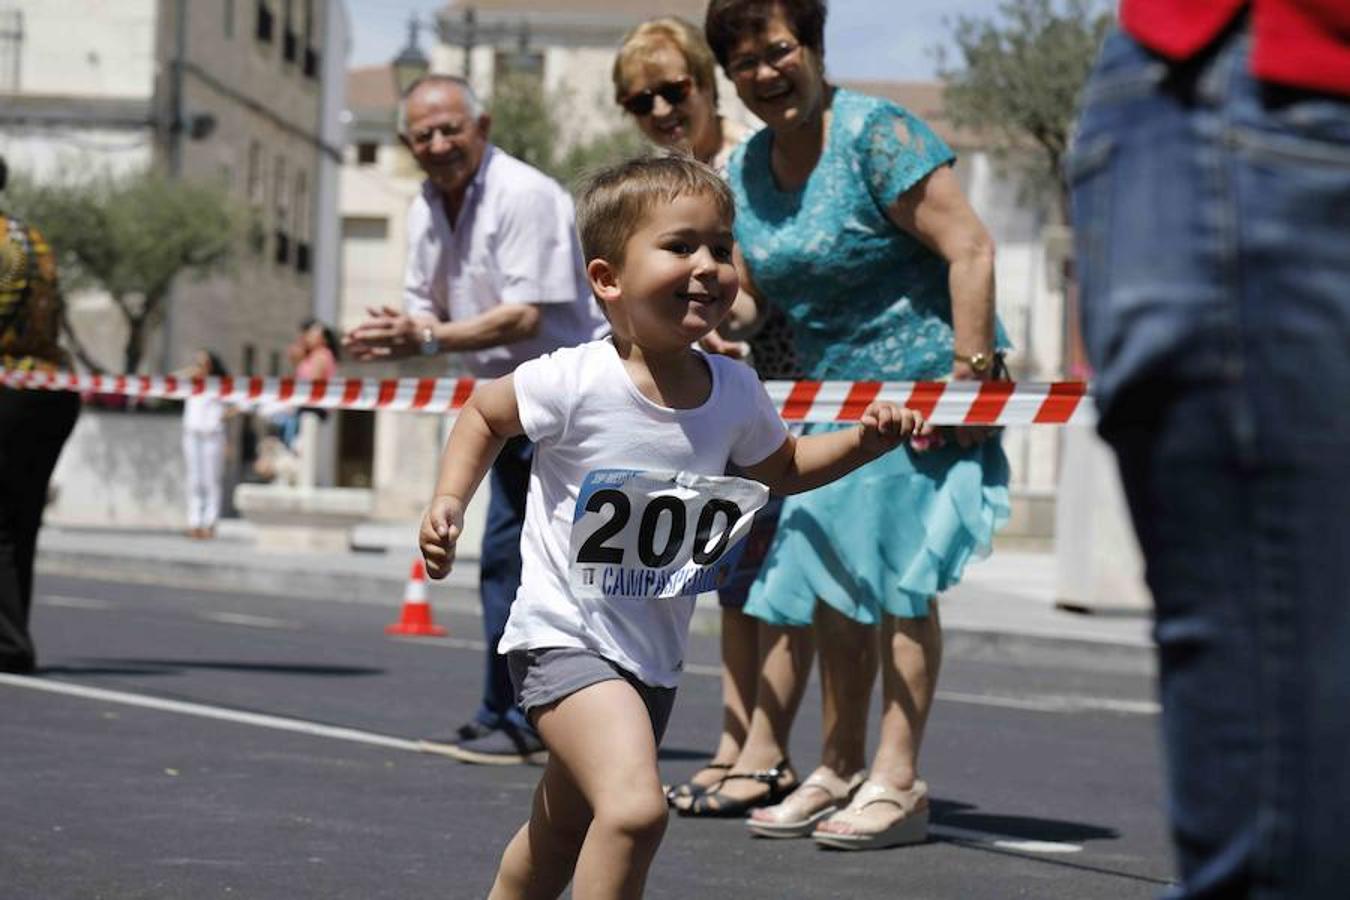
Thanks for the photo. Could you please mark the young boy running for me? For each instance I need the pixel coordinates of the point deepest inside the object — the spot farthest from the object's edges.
(628, 515)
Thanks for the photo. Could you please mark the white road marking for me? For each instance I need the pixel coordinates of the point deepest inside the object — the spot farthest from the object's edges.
(74, 602)
(250, 621)
(1056, 703)
(202, 710)
(1001, 841)
(448, 643)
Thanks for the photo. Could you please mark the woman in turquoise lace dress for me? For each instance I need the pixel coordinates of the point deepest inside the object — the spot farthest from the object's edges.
(853, 223)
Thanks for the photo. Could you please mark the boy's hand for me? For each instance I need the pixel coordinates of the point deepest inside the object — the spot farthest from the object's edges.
(441, 527)
(885, 426)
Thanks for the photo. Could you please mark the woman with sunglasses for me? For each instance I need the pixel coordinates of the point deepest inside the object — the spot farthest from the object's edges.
(665, 78)
(854, 224)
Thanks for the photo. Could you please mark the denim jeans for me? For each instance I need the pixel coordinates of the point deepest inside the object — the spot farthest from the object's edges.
(499, 578)
(1212, 218)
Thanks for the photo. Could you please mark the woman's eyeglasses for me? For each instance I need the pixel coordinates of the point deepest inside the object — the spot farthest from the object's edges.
(673, 92)
(776, 55)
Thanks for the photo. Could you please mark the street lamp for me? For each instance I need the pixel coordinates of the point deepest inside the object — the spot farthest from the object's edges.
(411, 63)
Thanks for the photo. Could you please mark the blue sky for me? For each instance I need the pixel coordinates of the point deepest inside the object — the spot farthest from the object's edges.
(864, 39)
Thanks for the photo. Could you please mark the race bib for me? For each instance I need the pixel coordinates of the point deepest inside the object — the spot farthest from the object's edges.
(658, 534)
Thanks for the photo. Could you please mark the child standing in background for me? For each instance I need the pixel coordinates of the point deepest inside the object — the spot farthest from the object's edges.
(204, 448)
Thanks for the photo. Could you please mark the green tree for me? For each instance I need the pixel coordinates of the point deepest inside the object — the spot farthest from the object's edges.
(1018, 77)
(526, 124)
(132, 236)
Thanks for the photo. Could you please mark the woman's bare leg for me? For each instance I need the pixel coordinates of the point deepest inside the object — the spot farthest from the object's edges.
(740, 679)
(912, 658)
(601, 771)
(848, 668)
(785, 666)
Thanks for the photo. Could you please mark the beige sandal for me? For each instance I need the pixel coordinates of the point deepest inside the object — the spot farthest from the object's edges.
(910, 828)
(794, 817)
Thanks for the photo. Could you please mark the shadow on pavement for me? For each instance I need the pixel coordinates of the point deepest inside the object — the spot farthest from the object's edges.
(681, 753)
(954, 814)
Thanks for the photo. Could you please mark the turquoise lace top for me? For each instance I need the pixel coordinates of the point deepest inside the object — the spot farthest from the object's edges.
(866, 300)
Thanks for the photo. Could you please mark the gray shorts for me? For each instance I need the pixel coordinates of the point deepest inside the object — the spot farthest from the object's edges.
(546, 675)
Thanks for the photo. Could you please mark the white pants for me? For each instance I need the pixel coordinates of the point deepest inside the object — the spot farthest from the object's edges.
(204, 453)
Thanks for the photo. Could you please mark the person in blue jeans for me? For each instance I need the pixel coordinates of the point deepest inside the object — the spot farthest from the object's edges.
(494, 273)
(1212, 217)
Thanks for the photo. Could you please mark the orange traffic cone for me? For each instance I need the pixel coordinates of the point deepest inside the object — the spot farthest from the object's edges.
(416, 618)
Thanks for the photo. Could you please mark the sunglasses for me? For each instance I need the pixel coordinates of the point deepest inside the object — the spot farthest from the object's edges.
(673, 92)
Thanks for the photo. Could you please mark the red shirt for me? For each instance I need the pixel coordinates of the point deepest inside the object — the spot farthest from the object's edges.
(1301, 43)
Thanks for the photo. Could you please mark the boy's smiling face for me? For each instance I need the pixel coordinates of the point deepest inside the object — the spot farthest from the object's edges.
(677, 280)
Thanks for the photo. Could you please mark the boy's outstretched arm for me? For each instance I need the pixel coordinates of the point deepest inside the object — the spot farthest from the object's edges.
(802, 464)
(489, 418)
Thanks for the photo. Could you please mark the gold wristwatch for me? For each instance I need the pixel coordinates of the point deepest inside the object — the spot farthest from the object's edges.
(979, 363)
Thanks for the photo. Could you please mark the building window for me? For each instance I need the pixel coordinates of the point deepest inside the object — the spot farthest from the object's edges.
(274, 363)
(365, 228)
(290, 41)
(266, 21)
(255, 185)
(255, 173)
(281, 209)
(250, 359)
(301, 222)
(228, 6)
(311, 40)
(367, 153)
(11, 49)
(521, 62)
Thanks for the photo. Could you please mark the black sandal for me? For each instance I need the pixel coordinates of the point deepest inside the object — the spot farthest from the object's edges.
(713, 804)
(687, 790)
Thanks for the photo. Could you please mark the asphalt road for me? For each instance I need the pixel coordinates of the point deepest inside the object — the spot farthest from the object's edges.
(181, 744)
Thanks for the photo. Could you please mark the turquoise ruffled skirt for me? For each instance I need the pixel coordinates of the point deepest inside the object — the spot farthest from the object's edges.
(886, 538)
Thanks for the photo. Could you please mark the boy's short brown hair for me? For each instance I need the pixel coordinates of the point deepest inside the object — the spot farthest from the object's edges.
(614, 201)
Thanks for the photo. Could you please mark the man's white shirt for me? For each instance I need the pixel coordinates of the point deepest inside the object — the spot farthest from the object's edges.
(584, 414)
(515, 241)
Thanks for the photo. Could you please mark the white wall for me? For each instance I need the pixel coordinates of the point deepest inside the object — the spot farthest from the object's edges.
(121, 470)
(374, 204)
(99, 48)
(46, 153)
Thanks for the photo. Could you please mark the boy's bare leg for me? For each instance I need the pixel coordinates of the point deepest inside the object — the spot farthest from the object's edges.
(538, 862)
(848, 668)
(602, 756)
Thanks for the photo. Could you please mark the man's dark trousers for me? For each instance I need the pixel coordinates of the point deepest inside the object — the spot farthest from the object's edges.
(499, 577)
(33, 427)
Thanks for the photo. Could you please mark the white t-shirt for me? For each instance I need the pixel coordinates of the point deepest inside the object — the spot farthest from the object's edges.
(515, 241)
(584, 413)
(202, 414)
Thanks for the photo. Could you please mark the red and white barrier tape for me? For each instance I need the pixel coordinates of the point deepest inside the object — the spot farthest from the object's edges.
(943, 403)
